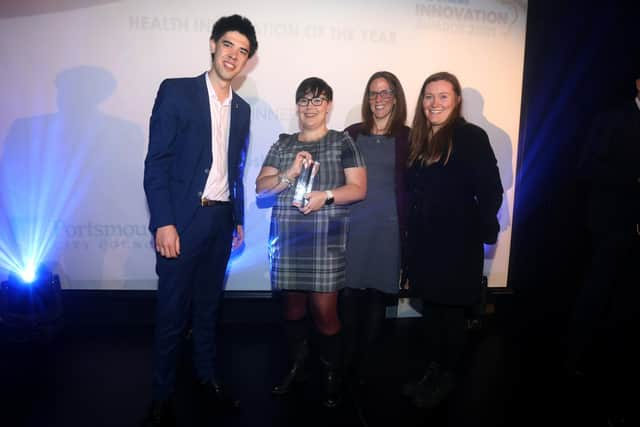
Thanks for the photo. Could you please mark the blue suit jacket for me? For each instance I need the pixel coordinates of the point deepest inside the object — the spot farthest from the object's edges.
(179, 156)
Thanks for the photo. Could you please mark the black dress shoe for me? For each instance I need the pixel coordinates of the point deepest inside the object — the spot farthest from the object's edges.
(160, 414)
(212, 393)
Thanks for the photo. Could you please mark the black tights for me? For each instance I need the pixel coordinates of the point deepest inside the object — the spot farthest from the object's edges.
(323, 308)
(362, 312)
(325, 317)
(445, 333)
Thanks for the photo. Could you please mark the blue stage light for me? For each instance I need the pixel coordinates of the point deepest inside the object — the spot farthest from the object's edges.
(31, 305)
(28, 274)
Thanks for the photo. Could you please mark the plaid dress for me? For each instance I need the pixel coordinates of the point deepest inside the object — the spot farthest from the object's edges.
(307, 252)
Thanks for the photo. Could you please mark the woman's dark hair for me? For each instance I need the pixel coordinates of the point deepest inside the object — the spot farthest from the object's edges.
(316, 87)
(426, 146)
(399, 111)
(236, 23)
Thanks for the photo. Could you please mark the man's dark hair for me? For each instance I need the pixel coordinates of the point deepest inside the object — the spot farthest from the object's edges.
(314, 86)
(236, 23)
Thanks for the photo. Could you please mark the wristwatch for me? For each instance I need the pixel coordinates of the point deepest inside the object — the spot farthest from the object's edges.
(329, 199)
(284, 178)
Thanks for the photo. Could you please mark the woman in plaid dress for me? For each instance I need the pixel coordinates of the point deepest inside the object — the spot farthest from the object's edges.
(307, 243)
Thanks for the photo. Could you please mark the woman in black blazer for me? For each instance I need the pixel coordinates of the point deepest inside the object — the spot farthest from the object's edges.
(454, 196)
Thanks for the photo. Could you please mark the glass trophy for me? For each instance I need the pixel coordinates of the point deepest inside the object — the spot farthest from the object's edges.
(305, 182)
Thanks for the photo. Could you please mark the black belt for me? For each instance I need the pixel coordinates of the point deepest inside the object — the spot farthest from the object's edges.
(205, 203)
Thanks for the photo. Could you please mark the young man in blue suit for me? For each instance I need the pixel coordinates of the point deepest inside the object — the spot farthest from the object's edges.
(198, 138)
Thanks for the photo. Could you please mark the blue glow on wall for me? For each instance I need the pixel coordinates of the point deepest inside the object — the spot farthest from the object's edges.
(45, 173)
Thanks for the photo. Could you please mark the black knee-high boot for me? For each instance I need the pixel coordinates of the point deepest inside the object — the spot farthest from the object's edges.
(331, 358)
(298, 342)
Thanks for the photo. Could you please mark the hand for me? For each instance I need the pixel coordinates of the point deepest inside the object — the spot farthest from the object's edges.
(296, 166)
(168, 241)
(315, 202)
(238, 238)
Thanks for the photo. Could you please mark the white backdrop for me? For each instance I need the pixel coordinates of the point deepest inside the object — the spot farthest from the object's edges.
(80, 78)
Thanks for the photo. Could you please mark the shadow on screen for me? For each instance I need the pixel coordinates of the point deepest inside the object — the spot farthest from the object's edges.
(72, 183)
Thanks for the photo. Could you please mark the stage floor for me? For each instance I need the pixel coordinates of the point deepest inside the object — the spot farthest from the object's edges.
(100, 375)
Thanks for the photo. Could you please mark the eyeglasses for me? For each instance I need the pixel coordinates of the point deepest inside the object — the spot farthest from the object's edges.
(317, 101)
(384, 94)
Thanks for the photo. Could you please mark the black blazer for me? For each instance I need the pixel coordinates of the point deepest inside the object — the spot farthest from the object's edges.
(452, 212)
(179, 156)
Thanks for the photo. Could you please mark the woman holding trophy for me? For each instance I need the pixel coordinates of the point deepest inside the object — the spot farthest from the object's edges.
(308, 234)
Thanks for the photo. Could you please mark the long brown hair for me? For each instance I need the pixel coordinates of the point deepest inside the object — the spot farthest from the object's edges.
(426, 146)
(399, 111)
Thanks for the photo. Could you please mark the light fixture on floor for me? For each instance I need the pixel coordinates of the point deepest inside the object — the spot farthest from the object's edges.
(31, 305)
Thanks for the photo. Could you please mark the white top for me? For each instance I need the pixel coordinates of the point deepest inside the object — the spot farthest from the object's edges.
(217, 185)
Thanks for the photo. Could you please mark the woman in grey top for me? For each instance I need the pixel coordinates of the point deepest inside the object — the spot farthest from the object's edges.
(307, 243)
(378, 223)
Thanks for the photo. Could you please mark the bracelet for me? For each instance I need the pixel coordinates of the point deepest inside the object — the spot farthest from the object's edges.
(284, 178)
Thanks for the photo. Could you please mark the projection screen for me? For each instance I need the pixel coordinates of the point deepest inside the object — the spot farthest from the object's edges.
(80, 78)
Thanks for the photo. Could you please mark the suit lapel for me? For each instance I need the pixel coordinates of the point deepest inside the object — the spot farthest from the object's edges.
(234, 128)
(203, 109)
(235, 116)
(635, 113)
